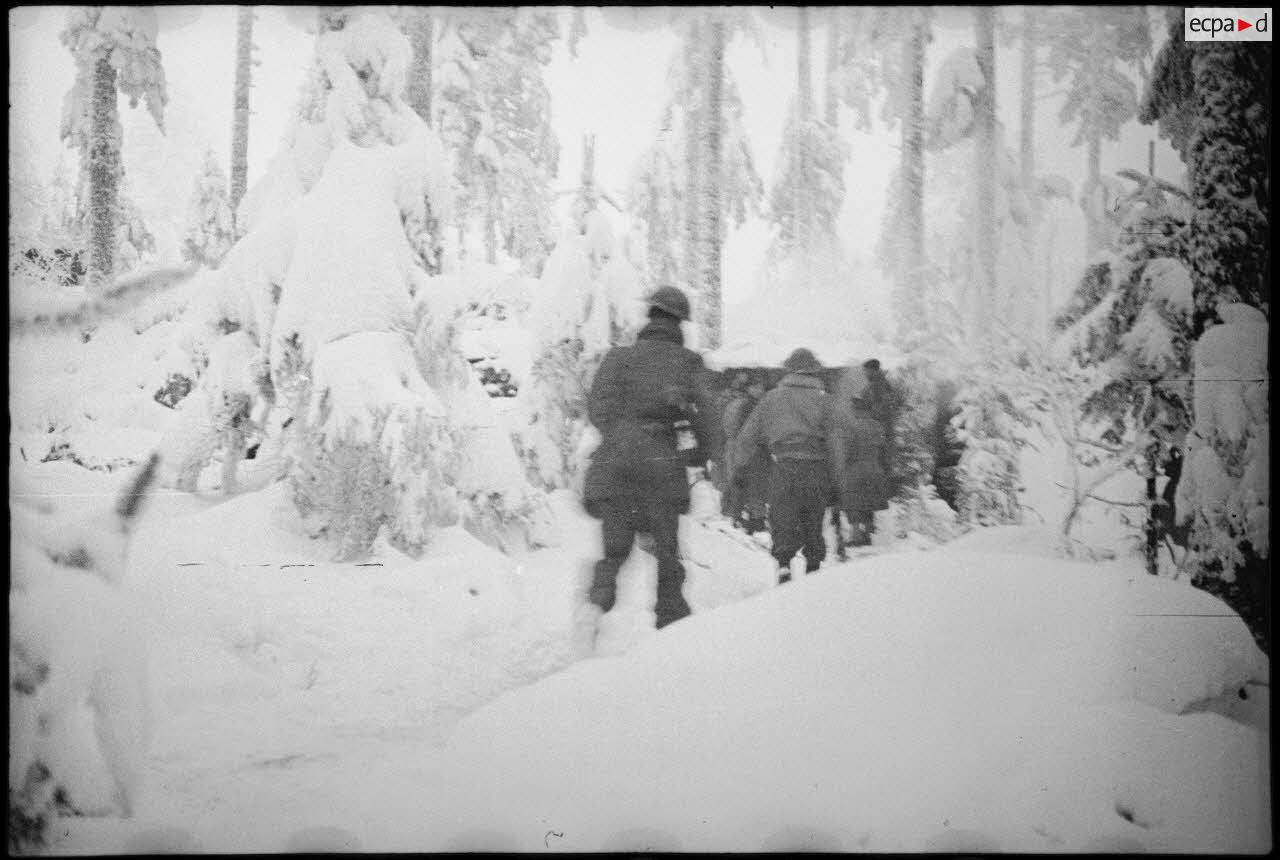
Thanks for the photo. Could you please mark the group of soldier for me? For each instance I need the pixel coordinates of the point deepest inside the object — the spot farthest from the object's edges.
(780, 457)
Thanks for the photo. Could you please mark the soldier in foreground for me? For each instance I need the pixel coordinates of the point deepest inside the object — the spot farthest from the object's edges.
(650, 403)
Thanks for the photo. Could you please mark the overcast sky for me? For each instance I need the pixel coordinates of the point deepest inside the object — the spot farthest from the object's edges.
(614, 88)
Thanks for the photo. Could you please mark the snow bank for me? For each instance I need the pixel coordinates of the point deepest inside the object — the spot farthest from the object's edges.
(825, 714)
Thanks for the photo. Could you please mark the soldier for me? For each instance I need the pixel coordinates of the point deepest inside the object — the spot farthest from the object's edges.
(651, 405)
(794, 422)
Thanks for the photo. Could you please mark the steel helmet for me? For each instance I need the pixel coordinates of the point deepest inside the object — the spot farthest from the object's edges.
(802, 361)
(670, 300)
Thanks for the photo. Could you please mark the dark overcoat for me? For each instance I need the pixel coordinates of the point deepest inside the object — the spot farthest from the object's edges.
(638, 395)
(860, 442)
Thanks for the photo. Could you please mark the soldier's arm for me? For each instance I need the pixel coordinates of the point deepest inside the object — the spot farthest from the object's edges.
(705, 419)
(605, 400)
(750, 436)
(837, 440)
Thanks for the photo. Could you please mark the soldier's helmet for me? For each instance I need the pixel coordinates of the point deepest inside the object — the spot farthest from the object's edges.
(670, 300)
(802, 361)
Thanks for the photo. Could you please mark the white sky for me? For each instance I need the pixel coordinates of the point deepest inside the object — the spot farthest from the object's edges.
(615, 89)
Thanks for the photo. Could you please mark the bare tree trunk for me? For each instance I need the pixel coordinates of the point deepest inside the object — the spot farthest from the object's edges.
(835, 23)
(694, 119)
(712, 309)
(911, 275)
(804, 208)
(1092, 197)
(240, 110)
(985, 169)
(491, 218)
(419, 26)
(420, 31)
(104, 175)
(1026, 127)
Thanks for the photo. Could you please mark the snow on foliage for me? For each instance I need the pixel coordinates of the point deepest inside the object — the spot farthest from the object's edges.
(949, 114)
(1225, 490)
(210, 232)
(79, 705)
(354, 93)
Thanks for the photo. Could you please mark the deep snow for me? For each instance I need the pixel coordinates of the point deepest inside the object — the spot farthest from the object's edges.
(978, 696)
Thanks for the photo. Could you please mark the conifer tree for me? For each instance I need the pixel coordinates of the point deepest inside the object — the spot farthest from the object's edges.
(210, 230)
(115, 52)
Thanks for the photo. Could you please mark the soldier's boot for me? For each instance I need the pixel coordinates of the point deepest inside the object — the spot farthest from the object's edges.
(670, 607)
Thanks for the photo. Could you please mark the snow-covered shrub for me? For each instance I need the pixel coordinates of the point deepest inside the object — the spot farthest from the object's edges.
(210, 231)
(587, 302)
(78, 706)
(216, 415)
(989, 475)
(1225, 488)
(917, 512)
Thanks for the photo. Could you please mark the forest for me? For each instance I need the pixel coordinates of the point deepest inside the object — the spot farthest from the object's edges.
(358, 356)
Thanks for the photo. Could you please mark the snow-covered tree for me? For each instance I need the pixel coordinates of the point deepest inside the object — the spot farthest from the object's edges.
(1225, 487)
(79, 717)
(114, 48)
(1093, 50)
(699, 176)
(494, 116)
(1132, 316)
(1212, 101)
(210, 231)
(885, 53)
(590, 298)
(388, 429)
(240, 116)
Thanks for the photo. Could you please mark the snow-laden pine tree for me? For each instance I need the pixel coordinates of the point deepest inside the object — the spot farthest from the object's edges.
(1095, 51)
(387, 427)
(115, 52)
(698, 177)
(885, 53)
(210, 231)
(493, 113)
(1225, 492)
(1132, 317)
(804, 259)
(240, 115)
(965, 305)
(1212, 101)
(590, 298)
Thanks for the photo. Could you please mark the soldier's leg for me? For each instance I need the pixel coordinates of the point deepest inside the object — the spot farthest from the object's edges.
(861, 523)
(617, 526)
(664, 520)
(813, 513)
(784, 514)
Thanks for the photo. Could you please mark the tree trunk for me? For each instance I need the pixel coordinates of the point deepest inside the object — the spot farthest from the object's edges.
(1093, 197)
(418, 90)
(985, 169)
(804, 208)
(240, 110)
(835, 22)
(712, 308)
(912, 265)
(1152, 523)
(104, 175)
(694, 119)
(1026, 127)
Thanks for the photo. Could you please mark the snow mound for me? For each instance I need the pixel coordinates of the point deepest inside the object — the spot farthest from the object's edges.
(827, 709)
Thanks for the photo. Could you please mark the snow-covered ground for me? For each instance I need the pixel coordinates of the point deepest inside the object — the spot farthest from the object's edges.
(979, 696)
